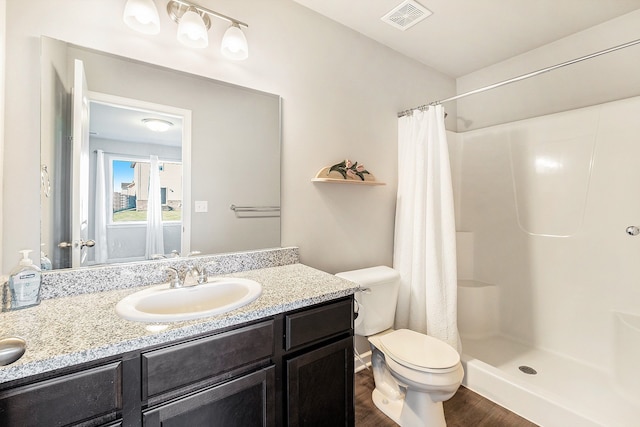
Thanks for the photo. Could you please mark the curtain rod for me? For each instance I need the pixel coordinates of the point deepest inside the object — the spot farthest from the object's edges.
(522, 77)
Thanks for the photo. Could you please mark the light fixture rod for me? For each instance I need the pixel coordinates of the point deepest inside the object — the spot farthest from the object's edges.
(211, 12)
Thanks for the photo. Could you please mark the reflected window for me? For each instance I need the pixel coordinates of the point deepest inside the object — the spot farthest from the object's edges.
(131, 190)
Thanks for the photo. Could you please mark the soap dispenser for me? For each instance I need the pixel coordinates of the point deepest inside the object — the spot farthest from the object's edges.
(23, 288)
(45, 262)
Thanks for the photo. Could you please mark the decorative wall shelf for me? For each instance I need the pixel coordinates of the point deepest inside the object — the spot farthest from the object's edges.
(331, 175)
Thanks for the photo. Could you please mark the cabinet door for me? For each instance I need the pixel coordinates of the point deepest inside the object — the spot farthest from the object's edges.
(320, 386)
(246, 401)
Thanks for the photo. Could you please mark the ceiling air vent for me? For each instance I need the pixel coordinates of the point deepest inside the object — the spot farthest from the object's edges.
(406, 15)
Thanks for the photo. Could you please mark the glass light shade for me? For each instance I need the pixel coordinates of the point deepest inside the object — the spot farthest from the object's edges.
(142, 16)
(192, 31)
(157, 125)
(234, 43)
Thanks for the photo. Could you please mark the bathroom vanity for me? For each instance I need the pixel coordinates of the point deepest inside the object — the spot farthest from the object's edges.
(286, 359)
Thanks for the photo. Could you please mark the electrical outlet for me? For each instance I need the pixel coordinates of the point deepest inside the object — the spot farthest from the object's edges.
(202, 206)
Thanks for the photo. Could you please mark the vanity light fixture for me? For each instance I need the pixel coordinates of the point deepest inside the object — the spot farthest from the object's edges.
(193, 24)
(234, 43)
(142, 16)
(157, 125)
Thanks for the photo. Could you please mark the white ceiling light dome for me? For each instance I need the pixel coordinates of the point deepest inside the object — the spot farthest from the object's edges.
(157, 125)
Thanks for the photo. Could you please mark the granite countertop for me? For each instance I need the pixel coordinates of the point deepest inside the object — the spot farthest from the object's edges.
(61, 332)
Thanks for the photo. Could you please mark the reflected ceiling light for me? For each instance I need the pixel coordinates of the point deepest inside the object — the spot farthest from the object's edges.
(234, 43)
(547, 165)
(157, 125)
(142, 16)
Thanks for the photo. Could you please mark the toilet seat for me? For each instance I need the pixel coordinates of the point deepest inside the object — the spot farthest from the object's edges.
(419, 351)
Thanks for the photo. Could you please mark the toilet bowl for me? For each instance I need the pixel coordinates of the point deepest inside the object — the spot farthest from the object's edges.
(413, 372)
(428, 370)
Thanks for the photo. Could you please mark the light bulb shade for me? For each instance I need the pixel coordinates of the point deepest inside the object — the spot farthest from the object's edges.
(192, 31)
(142, 16)
(157, 125)
(234, 43)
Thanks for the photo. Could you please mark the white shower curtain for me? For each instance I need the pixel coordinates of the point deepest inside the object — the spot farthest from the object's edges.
(155, 231)
(425, 234)
(100, 209)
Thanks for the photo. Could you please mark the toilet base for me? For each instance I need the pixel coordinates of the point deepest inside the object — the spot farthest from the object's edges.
(403, 412)
(420, 411)
(391, 408)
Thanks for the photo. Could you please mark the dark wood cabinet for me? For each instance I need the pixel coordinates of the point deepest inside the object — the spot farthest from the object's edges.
(294, 368)
(245, 401)
(88, 397)
(319, 365)
(306, 327)
(320, 386)
(210, 359)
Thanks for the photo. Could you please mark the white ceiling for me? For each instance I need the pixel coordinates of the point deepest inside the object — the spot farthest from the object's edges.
(463, 36)
(125, 124)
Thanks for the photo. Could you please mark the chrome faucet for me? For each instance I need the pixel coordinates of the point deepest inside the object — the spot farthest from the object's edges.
(191, 275)
(174, 278)
(199, 272)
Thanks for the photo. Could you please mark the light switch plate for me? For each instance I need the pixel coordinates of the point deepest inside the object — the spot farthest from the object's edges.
(202, 206)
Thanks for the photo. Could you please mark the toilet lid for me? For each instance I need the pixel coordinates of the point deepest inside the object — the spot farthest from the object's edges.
(418, 350)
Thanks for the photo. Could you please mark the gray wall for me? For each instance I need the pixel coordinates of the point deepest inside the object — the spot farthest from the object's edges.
(340, 91)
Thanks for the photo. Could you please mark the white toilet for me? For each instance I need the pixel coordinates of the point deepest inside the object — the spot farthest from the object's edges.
(414, 373)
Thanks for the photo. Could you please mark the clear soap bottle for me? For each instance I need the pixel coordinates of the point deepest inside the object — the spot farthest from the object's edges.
(45, 262)
(23, 288)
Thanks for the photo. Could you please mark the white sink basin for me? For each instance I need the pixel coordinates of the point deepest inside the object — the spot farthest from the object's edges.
(163, 304)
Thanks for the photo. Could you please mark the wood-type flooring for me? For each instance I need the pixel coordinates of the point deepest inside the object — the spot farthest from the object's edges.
(465, 409)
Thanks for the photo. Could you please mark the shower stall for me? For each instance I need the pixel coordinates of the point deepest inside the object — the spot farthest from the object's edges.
(546, 180)
(548, 253)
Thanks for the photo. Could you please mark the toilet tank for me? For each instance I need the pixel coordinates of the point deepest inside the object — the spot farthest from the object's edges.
(376, 303)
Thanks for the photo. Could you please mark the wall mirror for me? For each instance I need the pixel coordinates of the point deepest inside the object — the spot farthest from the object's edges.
(113, 190)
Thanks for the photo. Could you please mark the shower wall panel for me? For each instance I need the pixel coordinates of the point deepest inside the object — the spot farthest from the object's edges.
(548, 200)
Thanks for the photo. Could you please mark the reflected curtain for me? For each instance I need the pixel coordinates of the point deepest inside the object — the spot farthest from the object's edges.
(100, 209)
(425, 239)
(155, 238)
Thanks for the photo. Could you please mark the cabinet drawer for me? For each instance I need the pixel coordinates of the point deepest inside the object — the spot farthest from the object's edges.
(81, 396)
(245, 401)
(319, 323)
(183, 364)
